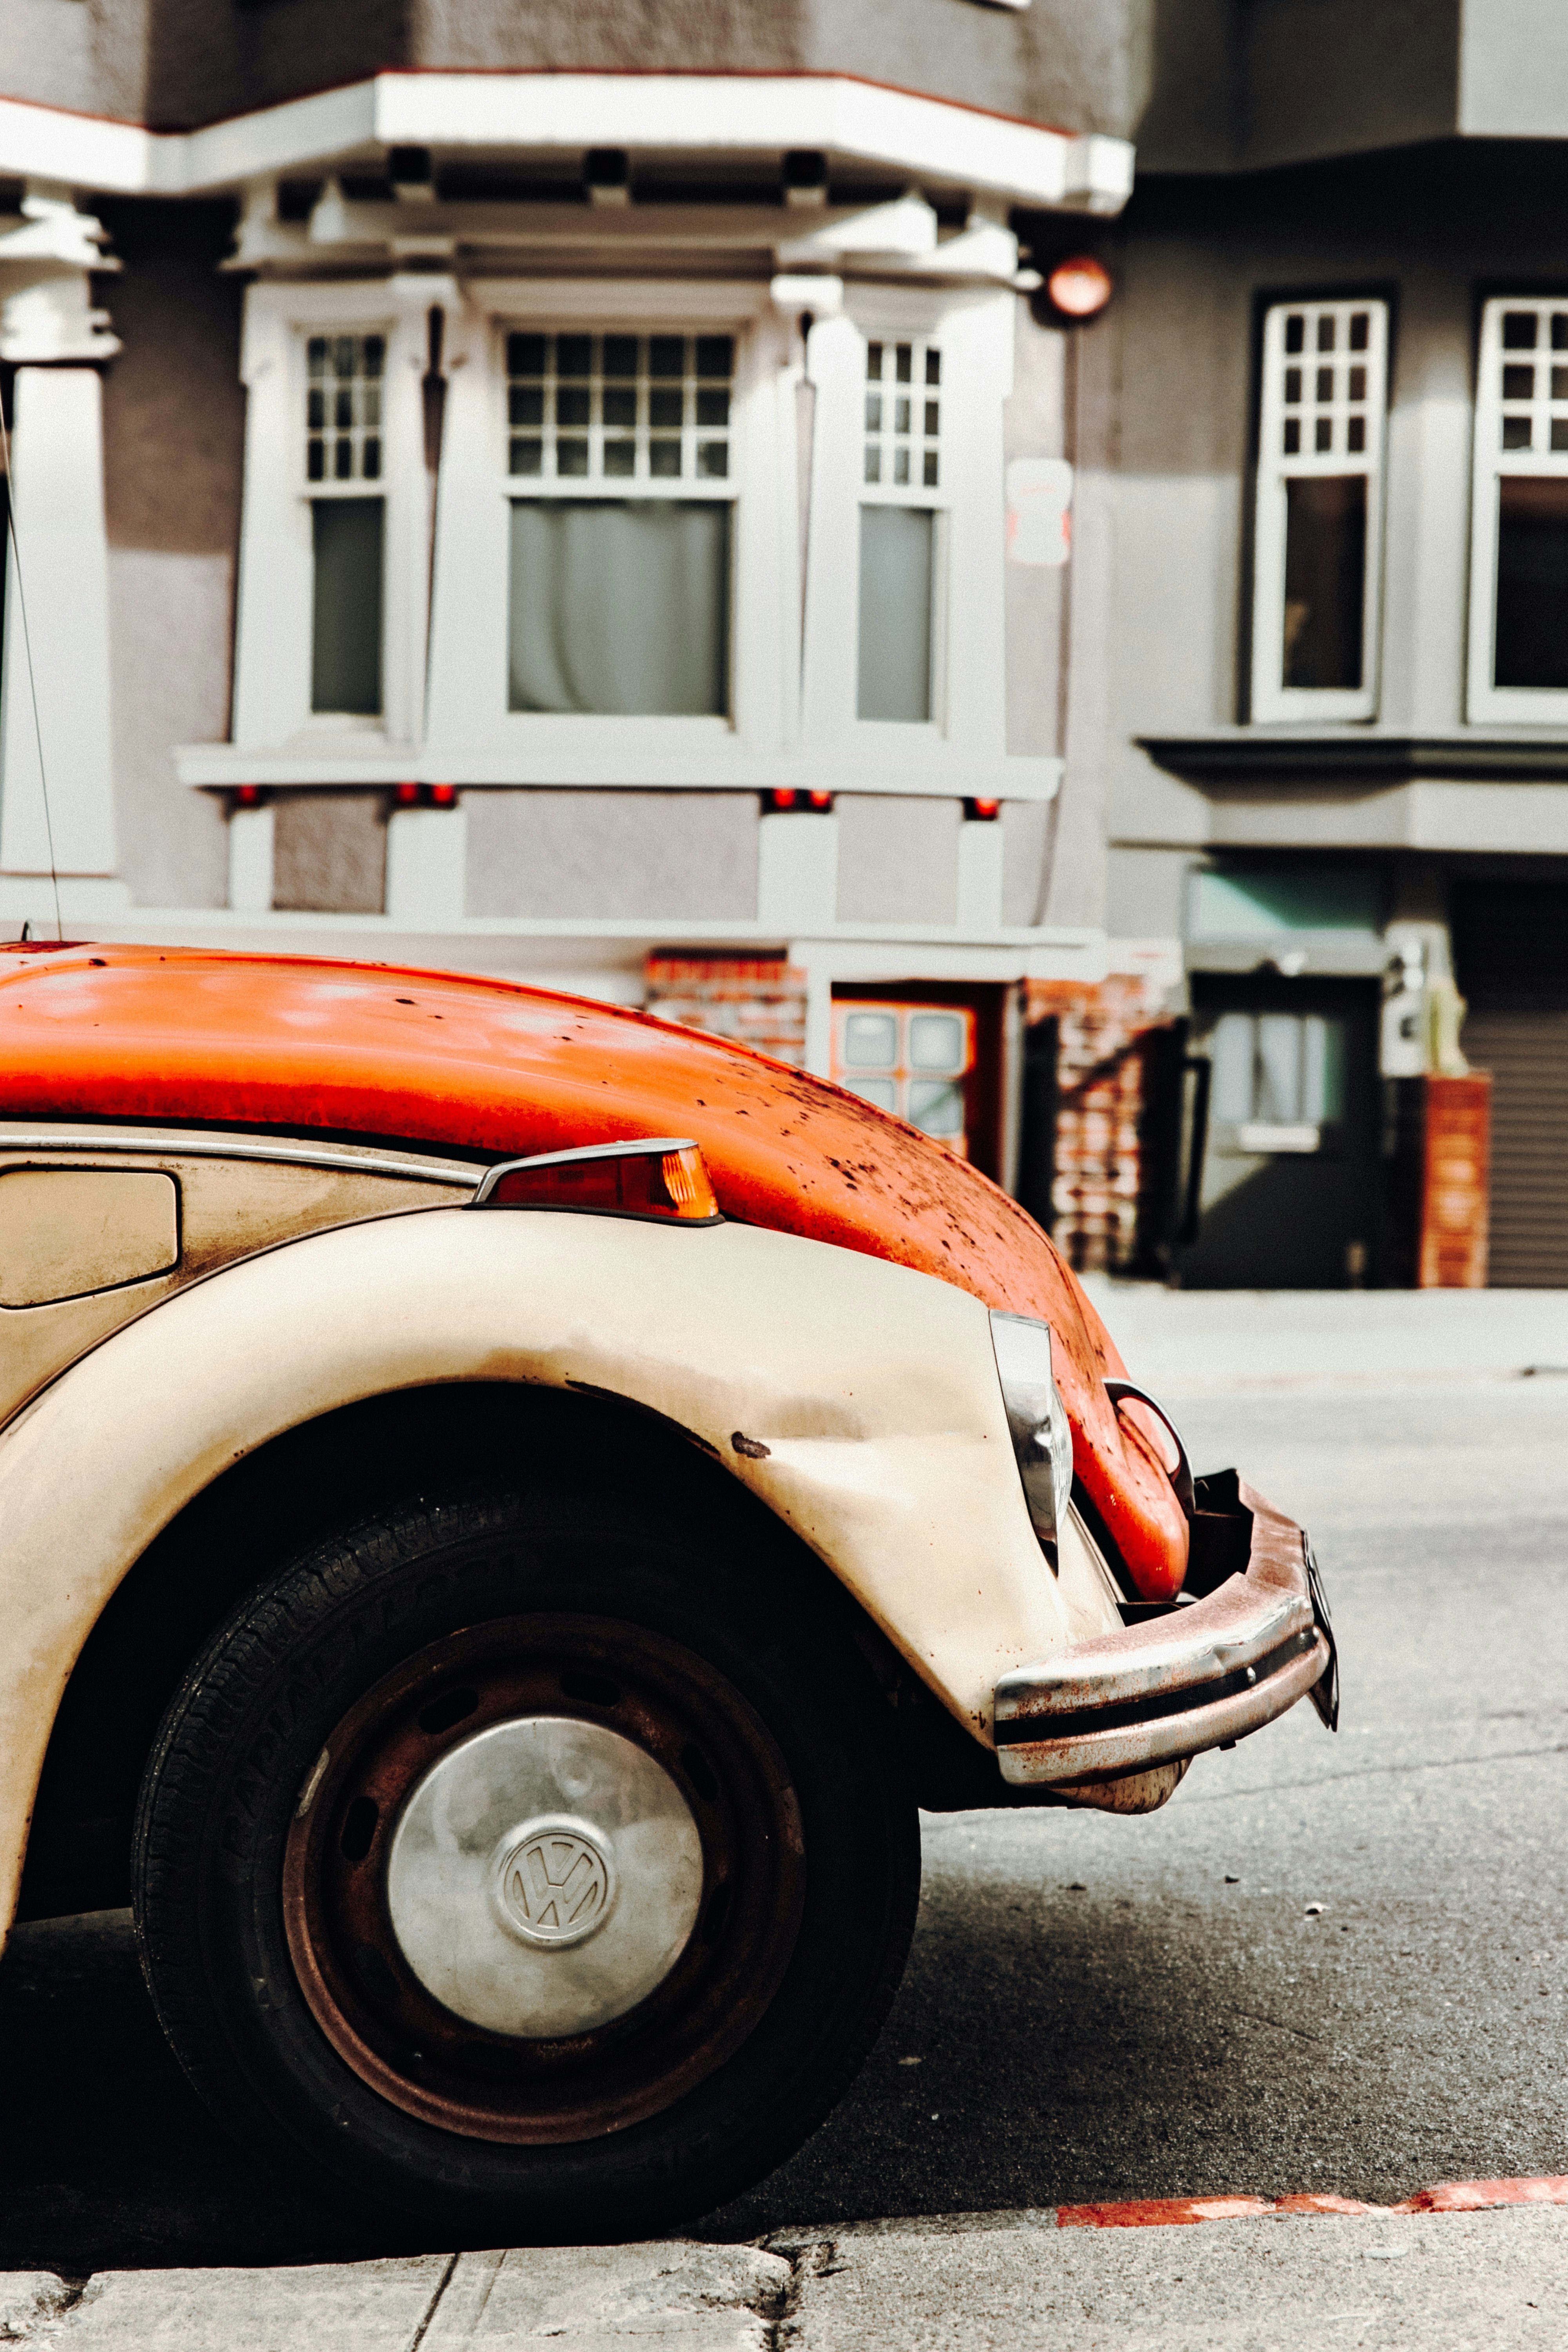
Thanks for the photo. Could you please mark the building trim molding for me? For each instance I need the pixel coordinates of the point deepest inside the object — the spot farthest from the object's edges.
(1358, 754)
(541, 110)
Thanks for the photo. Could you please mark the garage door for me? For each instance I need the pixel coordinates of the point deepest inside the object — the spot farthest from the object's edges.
(1511, 943)
(1526, 1053)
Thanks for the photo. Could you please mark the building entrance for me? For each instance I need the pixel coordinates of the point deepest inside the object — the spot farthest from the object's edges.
(1289, 1195)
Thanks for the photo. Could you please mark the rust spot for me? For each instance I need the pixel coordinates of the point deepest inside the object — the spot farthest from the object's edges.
(751, 1447)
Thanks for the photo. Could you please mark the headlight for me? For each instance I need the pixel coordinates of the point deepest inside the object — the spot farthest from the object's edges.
(1037, 1421)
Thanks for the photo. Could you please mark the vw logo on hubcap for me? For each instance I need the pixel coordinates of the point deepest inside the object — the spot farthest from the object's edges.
(553, 1881)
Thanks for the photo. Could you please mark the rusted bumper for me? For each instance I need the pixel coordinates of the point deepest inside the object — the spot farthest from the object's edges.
(1195, 1676)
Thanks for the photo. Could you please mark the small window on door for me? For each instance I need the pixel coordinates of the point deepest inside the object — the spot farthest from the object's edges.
(1279, 1077)
(913, 1060)
(1518, 589)
(1318, 547)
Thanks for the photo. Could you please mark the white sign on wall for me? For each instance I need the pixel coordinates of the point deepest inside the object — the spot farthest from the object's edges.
(1039, 511)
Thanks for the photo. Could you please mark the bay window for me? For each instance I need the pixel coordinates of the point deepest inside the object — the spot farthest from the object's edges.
(1319, 526)
(899, 523)
(619, 550)
(1518, 585)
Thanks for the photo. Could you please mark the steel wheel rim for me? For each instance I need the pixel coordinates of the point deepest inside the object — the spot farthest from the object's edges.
(611, 1682)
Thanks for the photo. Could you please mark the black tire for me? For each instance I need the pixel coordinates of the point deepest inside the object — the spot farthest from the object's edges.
(296, 2022)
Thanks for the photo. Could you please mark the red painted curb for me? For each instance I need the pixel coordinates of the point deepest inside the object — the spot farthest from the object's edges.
(1448, 2197)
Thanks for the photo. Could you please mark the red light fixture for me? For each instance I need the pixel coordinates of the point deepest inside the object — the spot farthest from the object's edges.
(821, 801)
(248, 796)
(1079, 288)
(981, 812)
(443, 795)
(662, 1178)
(405, 796)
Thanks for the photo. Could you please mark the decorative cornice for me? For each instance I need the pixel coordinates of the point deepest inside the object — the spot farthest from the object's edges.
(925, 138)
(1352, 755)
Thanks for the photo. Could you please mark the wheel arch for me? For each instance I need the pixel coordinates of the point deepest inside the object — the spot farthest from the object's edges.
(320, 1477)
(871, 1425)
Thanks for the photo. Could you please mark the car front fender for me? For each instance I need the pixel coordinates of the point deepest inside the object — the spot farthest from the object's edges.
(859, 1399)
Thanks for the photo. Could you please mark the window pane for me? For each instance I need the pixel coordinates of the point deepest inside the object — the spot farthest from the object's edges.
(882, 1094)
(1322, 1068)
(870, 1041)
(619, 607)
(1231, 1050)
(936, 1105)
(345, 651)
(936, 1042)
(895, 612)
(1279, 1070)
(1531, 642)
(1325, 569)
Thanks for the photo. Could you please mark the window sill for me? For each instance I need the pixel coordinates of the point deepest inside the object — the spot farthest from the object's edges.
(1264, 754)
(933, 769)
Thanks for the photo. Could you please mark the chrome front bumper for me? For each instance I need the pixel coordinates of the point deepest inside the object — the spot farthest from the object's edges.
(1200, 1674)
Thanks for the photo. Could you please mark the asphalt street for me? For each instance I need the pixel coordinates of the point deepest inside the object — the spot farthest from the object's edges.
(1096, 2009)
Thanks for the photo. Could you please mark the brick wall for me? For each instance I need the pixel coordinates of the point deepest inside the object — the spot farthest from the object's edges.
(1102, 1076)
(758, 1001)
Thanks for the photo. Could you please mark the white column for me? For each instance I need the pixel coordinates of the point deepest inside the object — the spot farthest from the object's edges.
(980, 846)
(62, 575)
(426, 866)
(797, 872)
(250, 860)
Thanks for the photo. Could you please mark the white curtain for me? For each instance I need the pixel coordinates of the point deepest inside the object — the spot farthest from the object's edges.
(619, 606)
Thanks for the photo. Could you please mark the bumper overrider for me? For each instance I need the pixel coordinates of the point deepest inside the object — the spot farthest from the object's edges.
(1199, 1674)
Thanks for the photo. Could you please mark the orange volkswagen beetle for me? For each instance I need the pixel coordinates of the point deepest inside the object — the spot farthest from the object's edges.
(511, 1508)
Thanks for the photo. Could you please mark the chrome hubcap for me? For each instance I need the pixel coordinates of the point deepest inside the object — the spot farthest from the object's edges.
(545, 1877)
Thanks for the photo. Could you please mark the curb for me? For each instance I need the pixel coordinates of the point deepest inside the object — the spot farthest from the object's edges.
(1448, 2197)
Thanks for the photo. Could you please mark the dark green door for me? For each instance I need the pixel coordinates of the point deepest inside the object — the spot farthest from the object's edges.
(1289, 1196)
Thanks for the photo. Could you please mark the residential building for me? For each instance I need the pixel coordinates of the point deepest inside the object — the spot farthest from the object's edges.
(529, 489)
(1332, 734)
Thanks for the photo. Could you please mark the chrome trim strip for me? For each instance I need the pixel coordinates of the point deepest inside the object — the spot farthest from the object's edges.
(1172, 1685)
(178, 1143)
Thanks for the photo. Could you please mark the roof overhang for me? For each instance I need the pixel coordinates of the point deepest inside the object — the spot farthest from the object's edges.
(547, 114)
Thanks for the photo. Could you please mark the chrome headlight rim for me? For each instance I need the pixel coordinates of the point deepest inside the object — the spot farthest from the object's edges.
(1038, 1421)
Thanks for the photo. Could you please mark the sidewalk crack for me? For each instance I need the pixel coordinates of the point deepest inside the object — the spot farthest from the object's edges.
(779, 2307)
(442, 2283)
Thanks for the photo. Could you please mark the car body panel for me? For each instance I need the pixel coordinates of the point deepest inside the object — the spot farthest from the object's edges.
(231, 1202)
(490, 1069)
(867, 1395)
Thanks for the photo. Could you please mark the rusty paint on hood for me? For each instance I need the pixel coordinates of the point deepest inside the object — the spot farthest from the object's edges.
(493, 1069)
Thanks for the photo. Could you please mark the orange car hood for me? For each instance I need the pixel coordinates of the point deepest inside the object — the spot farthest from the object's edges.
(493, 1070)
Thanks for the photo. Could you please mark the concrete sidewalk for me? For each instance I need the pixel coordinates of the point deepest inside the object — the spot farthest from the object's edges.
(1190, 1342)
(1270, 2283)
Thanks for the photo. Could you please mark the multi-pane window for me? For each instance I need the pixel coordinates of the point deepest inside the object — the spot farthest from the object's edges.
(898, 555)
(1519, 600)
(1319, 521)
(903, 415)
(343, 408)
(619, 456)
(619, 407)
(344, 381)
(911, 1059)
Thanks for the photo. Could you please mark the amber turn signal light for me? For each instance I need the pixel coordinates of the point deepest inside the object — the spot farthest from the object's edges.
(661, 1177)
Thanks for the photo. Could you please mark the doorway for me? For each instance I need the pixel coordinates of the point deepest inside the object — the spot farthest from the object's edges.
(1290, 1198)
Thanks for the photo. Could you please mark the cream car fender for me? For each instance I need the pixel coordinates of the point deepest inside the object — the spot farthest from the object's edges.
(858, 1398)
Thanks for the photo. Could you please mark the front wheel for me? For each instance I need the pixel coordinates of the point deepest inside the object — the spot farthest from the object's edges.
(527, 1870)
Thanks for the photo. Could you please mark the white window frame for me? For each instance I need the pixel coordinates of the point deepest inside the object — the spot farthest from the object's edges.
(1271, 700)
(469, 723)
(968, 721)
(1515, 704)
(273, 623)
